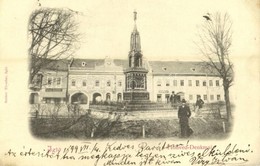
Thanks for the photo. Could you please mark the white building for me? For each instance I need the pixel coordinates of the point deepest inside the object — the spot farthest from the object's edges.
(186, 79)
(104, 80)
(98, 80)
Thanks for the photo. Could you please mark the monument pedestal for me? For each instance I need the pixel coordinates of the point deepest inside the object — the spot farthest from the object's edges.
(136, 96)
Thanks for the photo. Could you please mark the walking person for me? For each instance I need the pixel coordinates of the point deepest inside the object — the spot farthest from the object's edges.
(198, 105)
(183, 115)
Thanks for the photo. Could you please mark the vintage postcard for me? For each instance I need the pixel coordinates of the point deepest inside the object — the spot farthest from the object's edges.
(140, 83)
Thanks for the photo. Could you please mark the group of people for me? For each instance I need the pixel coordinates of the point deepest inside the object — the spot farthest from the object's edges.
(184, 113)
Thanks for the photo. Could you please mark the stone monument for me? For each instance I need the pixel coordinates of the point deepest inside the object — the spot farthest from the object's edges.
(135, 74)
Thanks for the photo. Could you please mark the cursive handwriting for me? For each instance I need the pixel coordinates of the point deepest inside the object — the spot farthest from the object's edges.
(142, 154)
(214, 155)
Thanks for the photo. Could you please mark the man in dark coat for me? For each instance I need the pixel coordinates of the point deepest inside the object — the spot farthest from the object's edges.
(183, 115)
(173, 98)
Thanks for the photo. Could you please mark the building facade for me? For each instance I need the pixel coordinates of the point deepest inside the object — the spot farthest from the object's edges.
(50, 84)
(187, 80)
(95, 80)
(103, 80)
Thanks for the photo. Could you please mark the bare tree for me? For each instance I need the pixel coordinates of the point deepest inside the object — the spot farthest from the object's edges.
(215, 39)
(53, 35)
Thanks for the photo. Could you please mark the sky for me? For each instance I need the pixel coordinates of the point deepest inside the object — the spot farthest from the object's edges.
(168, 28)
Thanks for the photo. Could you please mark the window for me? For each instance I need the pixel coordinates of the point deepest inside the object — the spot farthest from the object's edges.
(205, 97)
(159, 83)
(218, 97)
(84, 83)
(182, 83)
(190, 97)
(73, 83)
(174, 82)
(211, 97)
(197, 83)
(108, 96)
(204, 83)
(54, 81)
(217, 82)
(49, 81)
(57, 100)
(167, 83)
(48, 100)
(210, 83)
(119, 97)
(159, 97)
(97, 83)
(190, 83)
(58, 81)
(108, 83)
(119, 83)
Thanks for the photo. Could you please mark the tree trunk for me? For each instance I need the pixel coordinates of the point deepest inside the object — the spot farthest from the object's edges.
(228, 106)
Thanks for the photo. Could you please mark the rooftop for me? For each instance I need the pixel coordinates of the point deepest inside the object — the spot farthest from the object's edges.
(157, 67)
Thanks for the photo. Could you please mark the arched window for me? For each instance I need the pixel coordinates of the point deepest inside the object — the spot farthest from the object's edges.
(119, 97)
(108, 97)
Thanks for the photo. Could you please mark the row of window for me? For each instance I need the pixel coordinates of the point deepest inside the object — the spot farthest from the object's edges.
(108, 96)
(190, 83)
(54, 81)
(97, 83)
(205, 97)
(191, 97)
(53, 100)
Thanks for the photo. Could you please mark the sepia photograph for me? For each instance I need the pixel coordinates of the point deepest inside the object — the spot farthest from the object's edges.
(132, 97)
(130, 82)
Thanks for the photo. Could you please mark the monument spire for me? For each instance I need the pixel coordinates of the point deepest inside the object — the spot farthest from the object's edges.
(135, 43)
(135, 15)
(135, 18)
